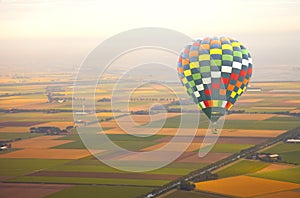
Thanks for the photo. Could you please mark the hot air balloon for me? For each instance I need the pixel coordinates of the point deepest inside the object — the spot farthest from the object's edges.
(215, 72)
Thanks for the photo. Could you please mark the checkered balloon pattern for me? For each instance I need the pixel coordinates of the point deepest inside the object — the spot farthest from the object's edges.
(215, 72)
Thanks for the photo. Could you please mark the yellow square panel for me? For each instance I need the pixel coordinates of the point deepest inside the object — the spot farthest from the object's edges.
(233, 94)
(204, 57)
(226, 47)
(194, 65)
(240, 91)
(235, 44)
(215, 103)
(187, 72)
(215, 51)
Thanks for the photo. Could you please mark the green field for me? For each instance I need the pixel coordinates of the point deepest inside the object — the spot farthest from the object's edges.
(291, 157)
(90, 165)
(12, 136)
(189, 194)
(129, 142)
(82, 180)
(289, 152)
(173, 122)
(100, 191)
(283, 147)
(229, 148)
(16, 167)
(288, 175)
(241, 168)
(17, 170)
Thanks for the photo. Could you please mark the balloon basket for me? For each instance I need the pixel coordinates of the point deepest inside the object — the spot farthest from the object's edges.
(212, 135)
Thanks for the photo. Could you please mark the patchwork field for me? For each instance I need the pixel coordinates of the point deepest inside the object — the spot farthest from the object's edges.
(65, 160)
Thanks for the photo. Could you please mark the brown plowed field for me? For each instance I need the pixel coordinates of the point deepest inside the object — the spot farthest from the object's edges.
(47, 154)
(20, 124)
(16, 190)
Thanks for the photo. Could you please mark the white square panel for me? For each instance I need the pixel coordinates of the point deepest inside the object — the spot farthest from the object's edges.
(237, 65)
(216, 74)
(226, 69)
(206, 80)
(200, 87)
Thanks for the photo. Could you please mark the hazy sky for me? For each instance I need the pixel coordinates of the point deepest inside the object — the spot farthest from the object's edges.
(43, 33)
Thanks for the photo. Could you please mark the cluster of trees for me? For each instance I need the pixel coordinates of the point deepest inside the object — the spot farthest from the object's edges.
(50, 130)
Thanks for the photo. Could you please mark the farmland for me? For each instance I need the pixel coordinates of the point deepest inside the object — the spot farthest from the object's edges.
(65, 161)
(239, 186)
(241, 168)
(100, 191)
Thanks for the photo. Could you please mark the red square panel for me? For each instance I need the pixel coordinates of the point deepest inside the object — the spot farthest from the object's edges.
(249, 70)
(228, 105)
(207, 92)
(215, 85)
(243, 73)
(234, 76)
(225, 81)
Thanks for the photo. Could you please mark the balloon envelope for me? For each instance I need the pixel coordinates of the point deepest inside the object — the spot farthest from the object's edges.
(215, 72)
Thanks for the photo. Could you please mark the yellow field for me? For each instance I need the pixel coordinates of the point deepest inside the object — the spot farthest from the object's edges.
(293, 101)
(245, 186)
(192, 147)
(41, 142)
(134, 120)
(272, 108)
(286, 194)
(250, 100)
(147, 106)
(14, 129)
(61, 125)
(107, 114)
(47, 154)
(7, 104)
(249, 116)
(202, 132)
(274, 167)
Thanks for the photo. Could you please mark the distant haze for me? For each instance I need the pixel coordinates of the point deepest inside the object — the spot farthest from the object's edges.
(42, 35)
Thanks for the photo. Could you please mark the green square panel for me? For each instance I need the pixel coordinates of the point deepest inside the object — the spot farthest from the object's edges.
(227, 57)
(216, 62)
(204, 69)
(196, 76)
(237, 53)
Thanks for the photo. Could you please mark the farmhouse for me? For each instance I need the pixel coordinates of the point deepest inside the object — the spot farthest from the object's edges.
(4, 146)
(293, 141)
(266, 157)
(269, 157)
